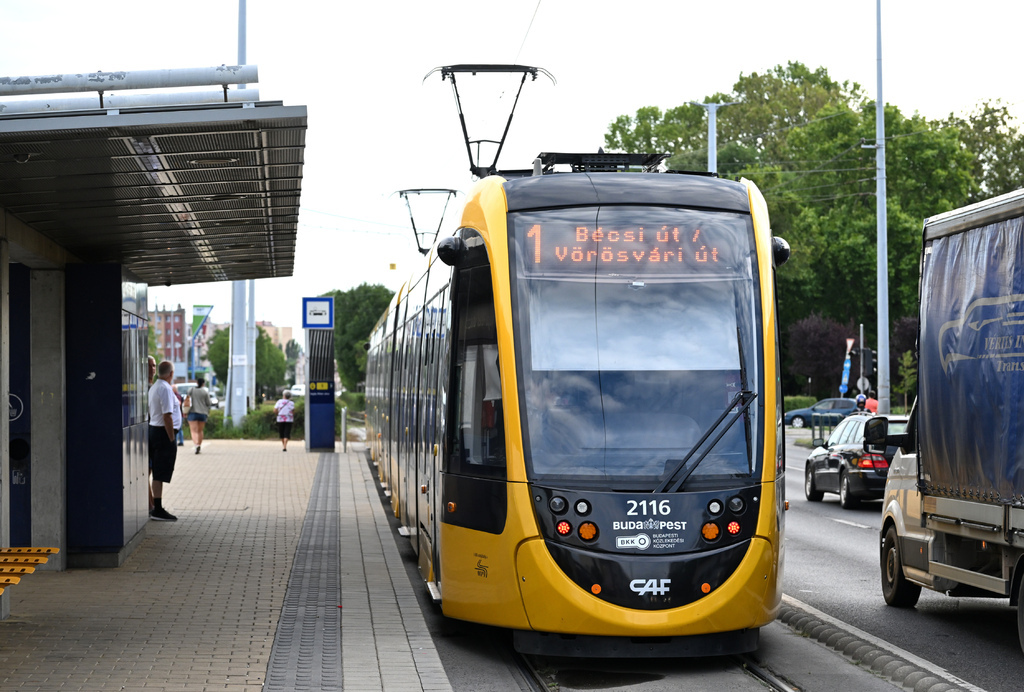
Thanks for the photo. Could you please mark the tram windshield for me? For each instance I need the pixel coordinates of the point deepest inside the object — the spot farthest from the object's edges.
(635, 331)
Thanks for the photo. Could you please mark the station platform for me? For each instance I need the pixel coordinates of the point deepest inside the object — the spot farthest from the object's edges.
(241, 593)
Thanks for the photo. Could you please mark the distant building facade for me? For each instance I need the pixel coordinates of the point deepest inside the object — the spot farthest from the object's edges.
(172, 337)
(279, 336)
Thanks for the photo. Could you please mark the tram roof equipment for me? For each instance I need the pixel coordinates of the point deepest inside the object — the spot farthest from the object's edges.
(425, 239)
(449, 72)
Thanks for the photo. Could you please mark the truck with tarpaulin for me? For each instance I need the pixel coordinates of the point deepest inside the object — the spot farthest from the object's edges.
(953, 510)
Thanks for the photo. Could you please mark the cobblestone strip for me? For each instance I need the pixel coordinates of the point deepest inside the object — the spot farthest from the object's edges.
(385, 642)
(910, 675)
(307, 647)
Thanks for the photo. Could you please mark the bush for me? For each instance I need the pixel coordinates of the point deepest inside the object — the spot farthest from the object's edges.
(354, 401)
(792, 403)
(259, 424)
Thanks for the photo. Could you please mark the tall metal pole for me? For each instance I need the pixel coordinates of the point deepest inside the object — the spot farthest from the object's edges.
(237, 370)
(882, 243)
(712, 109)
(250, 345)
(238, 376)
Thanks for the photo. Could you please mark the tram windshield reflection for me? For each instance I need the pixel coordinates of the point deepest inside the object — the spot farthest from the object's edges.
(624, 365)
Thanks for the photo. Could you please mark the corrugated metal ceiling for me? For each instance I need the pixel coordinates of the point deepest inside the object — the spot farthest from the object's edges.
(178, 194)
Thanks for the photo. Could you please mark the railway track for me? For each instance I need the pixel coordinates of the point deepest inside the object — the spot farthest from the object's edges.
(544, 674)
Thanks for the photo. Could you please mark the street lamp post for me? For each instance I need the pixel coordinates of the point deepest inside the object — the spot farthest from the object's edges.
(712, 109)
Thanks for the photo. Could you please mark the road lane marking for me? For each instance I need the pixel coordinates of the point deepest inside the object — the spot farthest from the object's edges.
(881, 644)
(852, 523)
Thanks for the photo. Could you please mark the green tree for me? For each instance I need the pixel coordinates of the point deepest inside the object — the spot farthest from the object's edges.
(356, 312)
(270, 362)
(270, 365)
(992, 137)
(807, 141)
(292, 351)
(218, 352)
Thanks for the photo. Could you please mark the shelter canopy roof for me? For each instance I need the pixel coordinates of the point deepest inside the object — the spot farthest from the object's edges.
(176, 194)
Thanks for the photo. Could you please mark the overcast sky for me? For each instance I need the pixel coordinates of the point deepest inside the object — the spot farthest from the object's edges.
(375, 127)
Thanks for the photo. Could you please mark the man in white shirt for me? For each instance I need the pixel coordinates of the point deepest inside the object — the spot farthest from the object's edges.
(164, 423)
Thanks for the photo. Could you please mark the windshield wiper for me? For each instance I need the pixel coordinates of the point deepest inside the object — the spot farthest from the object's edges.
(744, 397)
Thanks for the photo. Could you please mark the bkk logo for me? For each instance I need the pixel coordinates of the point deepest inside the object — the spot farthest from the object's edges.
(641, 541)
(656, 587)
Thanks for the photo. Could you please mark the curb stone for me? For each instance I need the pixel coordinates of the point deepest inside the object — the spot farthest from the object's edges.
(884, 664)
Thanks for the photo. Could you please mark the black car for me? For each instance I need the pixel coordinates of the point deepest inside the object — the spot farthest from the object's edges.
(841, 465)
(827, 411)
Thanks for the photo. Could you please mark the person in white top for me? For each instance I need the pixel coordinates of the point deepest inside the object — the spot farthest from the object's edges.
(164, 424)
(285, 409)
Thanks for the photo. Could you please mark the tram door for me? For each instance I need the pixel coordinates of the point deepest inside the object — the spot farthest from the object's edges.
(409, 448)
(396, 424)
(474, 480)
(433, 378)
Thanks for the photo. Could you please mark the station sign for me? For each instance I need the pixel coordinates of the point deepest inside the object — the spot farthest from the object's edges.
(318, 313)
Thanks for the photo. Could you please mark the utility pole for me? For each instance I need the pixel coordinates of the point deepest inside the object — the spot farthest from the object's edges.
(238, 366)
(712, 109)
(882, 244)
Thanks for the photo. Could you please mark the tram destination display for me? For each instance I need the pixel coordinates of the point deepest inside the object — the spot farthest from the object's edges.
(617, 241)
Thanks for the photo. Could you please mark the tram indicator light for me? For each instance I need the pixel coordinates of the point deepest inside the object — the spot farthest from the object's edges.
(588, 531)
(710, 531)
(595, 589)
(563, 528)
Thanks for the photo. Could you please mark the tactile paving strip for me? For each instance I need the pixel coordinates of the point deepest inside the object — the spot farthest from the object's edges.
(307, 647)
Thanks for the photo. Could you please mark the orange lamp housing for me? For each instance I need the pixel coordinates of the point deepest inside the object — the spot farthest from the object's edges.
(588, 531)
(710, 531)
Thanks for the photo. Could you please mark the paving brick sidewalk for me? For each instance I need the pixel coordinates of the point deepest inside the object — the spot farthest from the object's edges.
(195, 607)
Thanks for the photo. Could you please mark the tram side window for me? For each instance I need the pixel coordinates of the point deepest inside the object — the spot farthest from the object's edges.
(478, 424)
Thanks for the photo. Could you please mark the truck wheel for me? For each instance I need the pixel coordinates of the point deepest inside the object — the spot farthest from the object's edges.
(799, 422)
(1020, 614)
(846, 498)
(897, 591)
(810, 491)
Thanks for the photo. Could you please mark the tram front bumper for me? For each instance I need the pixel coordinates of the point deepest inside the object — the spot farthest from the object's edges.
(554, 603)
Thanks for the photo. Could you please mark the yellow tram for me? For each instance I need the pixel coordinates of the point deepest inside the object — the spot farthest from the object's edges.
(576, 410)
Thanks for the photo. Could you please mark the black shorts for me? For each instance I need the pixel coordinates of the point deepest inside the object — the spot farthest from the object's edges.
(285, 428)
(162, 453)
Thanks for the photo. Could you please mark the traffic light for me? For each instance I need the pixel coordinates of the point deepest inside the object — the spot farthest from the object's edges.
(870, 367)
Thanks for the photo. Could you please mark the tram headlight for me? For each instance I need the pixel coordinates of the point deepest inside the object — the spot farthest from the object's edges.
(582, 508)
(710, 531)
(557, 505)
(737, 505)
(715, 508)
(563, 528)
(587, 531)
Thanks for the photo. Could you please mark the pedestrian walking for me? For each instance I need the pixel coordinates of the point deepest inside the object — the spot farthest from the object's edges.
(198, 401)
(285, 409)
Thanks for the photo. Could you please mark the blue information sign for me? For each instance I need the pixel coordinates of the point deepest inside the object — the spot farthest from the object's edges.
(318, 313)
(846, 376)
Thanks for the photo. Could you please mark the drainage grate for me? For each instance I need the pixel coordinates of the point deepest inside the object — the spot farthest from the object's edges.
(307, 646)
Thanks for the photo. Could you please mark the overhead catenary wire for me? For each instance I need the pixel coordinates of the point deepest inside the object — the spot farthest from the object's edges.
(527, 34)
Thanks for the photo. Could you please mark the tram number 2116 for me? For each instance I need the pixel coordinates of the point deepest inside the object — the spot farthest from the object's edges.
(648, 508)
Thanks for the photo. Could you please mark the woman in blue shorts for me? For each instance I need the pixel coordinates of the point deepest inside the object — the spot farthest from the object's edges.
(199, 401)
